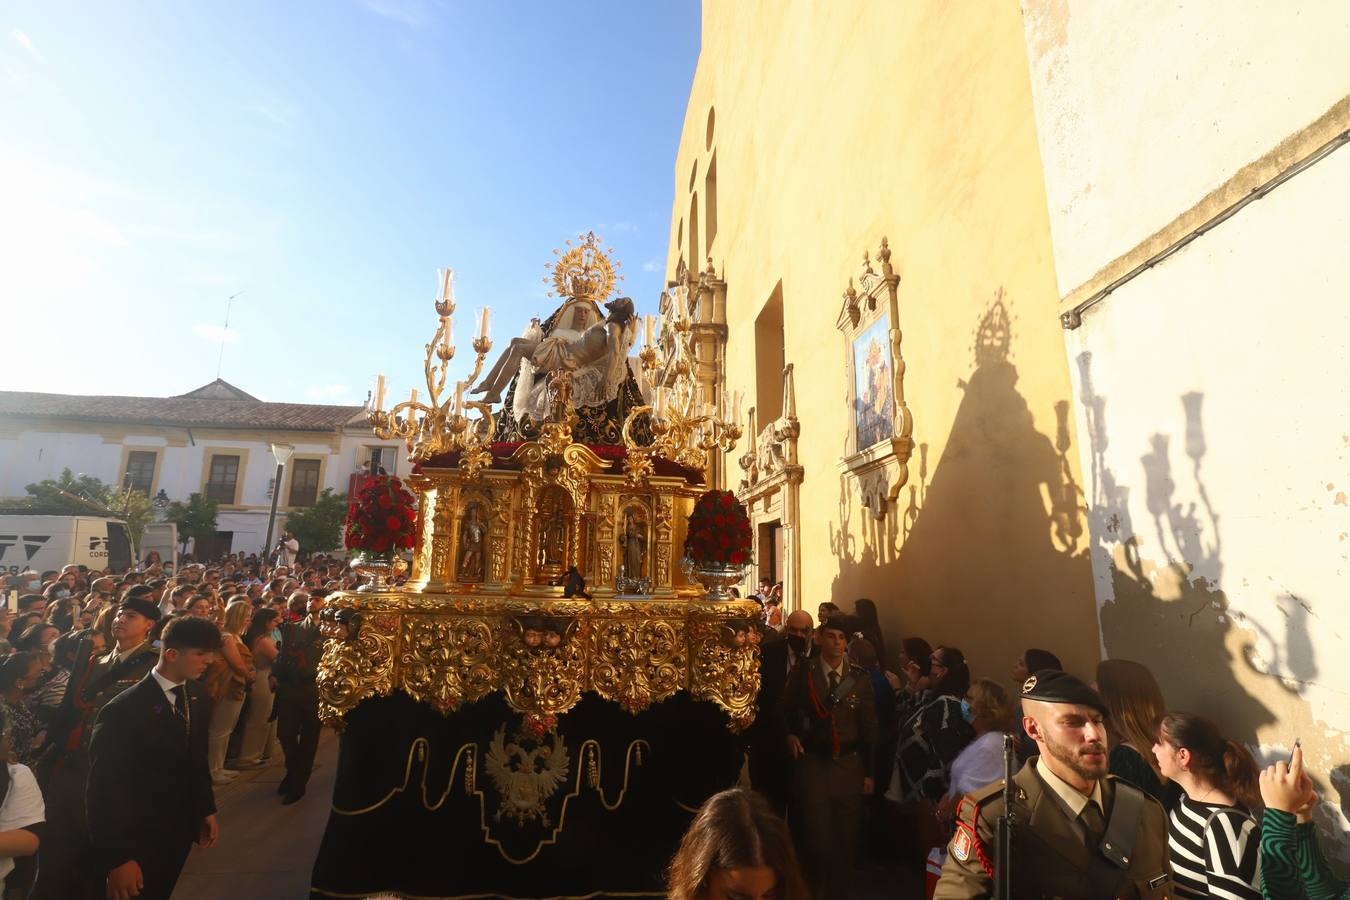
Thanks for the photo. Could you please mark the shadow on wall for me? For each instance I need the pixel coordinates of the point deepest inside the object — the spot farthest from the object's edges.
(987, 556)
(1185, 639)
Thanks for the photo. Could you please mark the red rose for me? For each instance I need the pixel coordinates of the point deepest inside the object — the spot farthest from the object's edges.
(384, 500)
(393, 523)
(727, 500)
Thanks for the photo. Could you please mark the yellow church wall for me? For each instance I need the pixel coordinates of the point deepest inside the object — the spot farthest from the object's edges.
(836, 124)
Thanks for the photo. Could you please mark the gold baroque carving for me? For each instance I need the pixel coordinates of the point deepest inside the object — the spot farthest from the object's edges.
(351, 671)
(446, 662)
(446, 650)
(637, 662)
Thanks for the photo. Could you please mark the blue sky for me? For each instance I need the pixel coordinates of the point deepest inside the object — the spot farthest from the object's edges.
(324, 158)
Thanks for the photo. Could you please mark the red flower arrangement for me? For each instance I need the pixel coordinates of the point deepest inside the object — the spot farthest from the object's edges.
(382, 518)
(719, 530)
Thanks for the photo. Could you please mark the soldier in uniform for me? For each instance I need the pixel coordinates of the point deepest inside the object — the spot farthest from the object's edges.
(64, 871)
(1077, 831)
(831, 723)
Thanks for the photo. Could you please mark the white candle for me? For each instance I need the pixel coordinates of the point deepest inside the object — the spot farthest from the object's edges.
(379, 392)
(459, 397)
(412, 397)
(651, 329)
(736, 417)
(447, 289)
(483, 325)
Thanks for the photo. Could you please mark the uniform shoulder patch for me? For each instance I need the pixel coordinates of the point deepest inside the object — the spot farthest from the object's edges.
(962, 842)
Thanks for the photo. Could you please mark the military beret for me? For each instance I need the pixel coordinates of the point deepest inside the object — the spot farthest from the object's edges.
(849, 625)
(141, 605)
(1054, 686)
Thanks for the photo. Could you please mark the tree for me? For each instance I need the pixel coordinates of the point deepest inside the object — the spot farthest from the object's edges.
(137, 511)
(66, 492)
(196, 519)
(318, 528)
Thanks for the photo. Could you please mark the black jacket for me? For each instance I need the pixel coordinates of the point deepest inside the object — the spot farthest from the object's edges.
(149, 783)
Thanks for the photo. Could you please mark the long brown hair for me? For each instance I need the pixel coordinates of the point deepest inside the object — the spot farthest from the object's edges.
(734, 829)
(1226, 764)
(1134, 704)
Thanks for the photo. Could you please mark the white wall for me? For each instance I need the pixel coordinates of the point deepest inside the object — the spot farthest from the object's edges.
(1213, 404)
(1146, 107)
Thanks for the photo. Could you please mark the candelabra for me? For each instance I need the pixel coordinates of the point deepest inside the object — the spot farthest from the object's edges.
(686, 423)
(441, 425)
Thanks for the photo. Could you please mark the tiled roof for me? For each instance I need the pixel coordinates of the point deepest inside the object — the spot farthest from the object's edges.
(185, 411)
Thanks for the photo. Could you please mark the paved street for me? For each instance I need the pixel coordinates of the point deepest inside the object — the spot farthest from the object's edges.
(266, 850)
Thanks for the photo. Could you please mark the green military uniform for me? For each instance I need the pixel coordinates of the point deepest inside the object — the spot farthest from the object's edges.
(1049, 855)
(64, 873)
(1116, 850)
(838, 730)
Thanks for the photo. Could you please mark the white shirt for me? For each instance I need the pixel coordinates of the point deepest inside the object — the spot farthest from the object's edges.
(23, 806)
(166, 686)
(980, 764)
(292, 547)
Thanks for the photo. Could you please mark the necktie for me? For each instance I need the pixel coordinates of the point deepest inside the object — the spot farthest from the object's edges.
(834, 681)
(1093, 823)
(180, 706)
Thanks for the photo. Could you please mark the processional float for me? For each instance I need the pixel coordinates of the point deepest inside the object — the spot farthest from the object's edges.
(505, 729)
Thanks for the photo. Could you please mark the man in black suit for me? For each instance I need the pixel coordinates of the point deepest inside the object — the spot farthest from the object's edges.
(297, 696)
(770, 763)
(63, 770)
(149, 796)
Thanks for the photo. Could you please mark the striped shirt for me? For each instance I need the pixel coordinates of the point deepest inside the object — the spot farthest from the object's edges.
(1215, 850)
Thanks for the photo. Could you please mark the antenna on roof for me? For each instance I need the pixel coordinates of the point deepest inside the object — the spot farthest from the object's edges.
(229, 302)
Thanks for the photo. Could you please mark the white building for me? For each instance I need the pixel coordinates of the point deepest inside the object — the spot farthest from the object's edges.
(215, 440)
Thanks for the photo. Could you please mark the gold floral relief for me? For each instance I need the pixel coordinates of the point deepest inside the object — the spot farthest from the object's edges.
(725, 669)
(637, 662)
(542, 681)
(446, 662)
(353, 670)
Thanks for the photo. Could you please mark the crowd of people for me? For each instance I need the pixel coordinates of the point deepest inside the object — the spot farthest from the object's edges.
(127, 697)
(854, 762)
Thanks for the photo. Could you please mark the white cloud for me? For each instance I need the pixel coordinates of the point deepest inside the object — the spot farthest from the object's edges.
(216, 333)
(651, 265)
(325, 391)
(412, 13)
(26, 43)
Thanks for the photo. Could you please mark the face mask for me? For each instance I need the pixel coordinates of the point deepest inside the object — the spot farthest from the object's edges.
(966, 712)
(63, 593)
(34, 585)
(797, 643)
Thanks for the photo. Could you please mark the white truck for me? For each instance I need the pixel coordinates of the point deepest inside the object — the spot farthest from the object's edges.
(44, 543)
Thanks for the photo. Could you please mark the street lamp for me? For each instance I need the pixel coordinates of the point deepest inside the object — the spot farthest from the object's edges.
(281, 452)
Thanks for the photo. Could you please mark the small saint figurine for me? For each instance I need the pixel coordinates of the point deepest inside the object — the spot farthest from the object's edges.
(634, 543)
(471, 534)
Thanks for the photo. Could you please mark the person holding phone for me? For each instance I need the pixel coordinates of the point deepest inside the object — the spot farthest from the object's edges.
(1292, 863)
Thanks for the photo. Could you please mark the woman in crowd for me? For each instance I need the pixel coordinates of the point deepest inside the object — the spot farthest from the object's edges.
(736, 849)
(1292, 864)
(201, 607)
(22, 815)
(17, 673)
(227, 682)
(103, 625)
(37, 638)
(989, 710)
(934, 734)
(259, 735)
(1135, 705)
(1215, 842)
(866, 612)
(916, 668)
